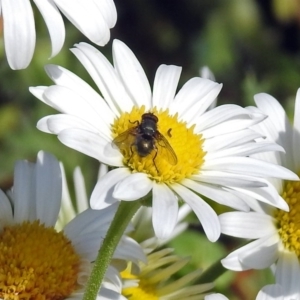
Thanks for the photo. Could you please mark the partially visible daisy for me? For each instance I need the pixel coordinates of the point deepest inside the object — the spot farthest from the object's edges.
(155, 282)
(37, 262)
(93, 18)
(276, 232)
(158, 278)
(211, 149)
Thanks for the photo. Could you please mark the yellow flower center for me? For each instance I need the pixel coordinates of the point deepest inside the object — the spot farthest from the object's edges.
(289, 222)
(36, 263)
(170, 153)
(157, 279)
(145, 290)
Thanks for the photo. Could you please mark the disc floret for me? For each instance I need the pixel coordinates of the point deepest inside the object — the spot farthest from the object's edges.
(288, 223)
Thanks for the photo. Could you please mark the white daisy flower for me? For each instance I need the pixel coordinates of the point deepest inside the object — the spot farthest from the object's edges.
(276, 232)
(93, 18)
(197, 153)
(38, 262)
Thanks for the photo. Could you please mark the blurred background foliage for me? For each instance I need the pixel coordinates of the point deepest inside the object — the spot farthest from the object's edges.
(251, 46)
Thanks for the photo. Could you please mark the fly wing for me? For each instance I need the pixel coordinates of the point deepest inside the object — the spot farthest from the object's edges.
(125, 140)
(165, 149)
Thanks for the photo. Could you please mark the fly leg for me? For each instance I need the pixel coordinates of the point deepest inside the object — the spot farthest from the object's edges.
(156, 150)
(131, 150)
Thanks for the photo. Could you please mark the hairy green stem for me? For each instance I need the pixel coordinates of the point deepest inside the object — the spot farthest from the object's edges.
(212, 273)
(120, 222)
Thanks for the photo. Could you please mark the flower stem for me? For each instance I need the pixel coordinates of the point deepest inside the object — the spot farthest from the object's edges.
(212, 273)
(119, 223)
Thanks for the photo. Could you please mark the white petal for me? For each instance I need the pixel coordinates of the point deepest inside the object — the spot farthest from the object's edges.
(296, 133)
(215, 297)
(133, 187)
(217, 194)
(204, 212)
(57, 123)
(184, 210)
(132, 74)
(263, 255)
(108, 11)
(64, 77)
(205, 72)
(165, 211)
(288, 273)
(43, 126)
(92, 145)
(165, 85)
(129, 249)
(23, 192)
(249, 166)
(277, 121)
(218, 116)
(233, 261)
(244, 150)
(87, 245)
(230, 139)
(178, 229)
(265, 194)
(69, 101)
(87, 17)
(102, 194)
(113, 275)
(260, 207)
(91, 221)
(19, 31)
(276, 127)
(48, 191)
(107, 293)
(105, 76)
(249, 225)
(54, 22)
(67, 210)
(103, 169)
(38, 92)
(270, 292)
(228, 126)
(6, 214)
(82, 202)
(194, 98)
(227, 179)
